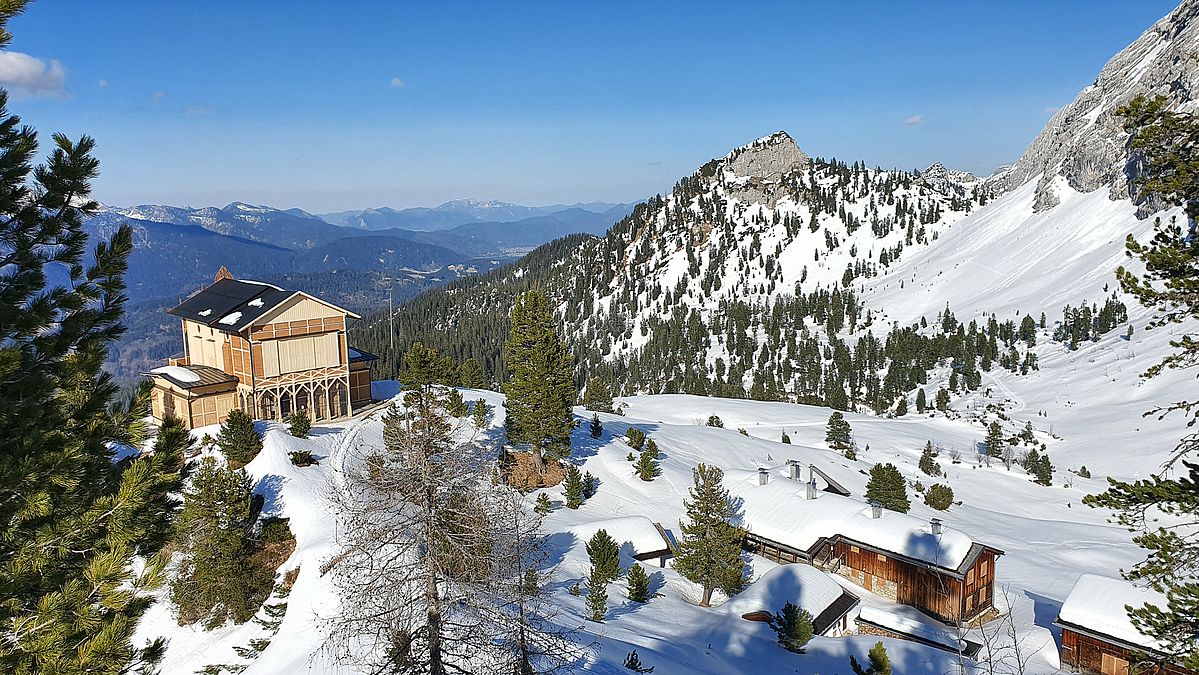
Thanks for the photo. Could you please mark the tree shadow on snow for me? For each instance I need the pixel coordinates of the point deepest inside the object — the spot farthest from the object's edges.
(270, 487)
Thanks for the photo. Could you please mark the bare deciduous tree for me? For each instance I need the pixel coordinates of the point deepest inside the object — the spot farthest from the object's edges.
(438, 572)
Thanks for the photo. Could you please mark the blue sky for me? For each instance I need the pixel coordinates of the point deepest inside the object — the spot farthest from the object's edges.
(328, 106)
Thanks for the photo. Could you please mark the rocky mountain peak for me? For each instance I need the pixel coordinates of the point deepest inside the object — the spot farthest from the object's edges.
(768, 158)
(1083, 142)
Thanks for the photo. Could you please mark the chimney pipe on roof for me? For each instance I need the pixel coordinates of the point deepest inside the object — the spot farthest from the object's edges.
(793, 469)
(763, 476)
(812, 489)
(937, 526)
(876, 510)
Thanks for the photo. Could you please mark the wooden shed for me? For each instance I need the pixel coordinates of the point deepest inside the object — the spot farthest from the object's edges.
(924, 564)
(1099, 638)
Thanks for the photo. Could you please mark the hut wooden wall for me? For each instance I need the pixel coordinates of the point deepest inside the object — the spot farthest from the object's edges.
(1092, 656)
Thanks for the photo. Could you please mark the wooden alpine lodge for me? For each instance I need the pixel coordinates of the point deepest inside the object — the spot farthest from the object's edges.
(261, 349)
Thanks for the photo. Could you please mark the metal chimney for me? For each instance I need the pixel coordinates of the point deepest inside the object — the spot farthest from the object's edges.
(876, 510)
(812, 489)
(763, 476)
(793, 470)
(937, 526)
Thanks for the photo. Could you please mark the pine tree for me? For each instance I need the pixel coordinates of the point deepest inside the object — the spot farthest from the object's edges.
(710, 551)
(921, 401)
(543, 504)
(604, 555)
(1043, 471)
(479, 412)
(638, 582)
(887, 487)
(942, 400)
(598, 396)
(647, 467)
(573, 487)
(597, 595)
(596, 428)
(238, 439)
(299, 424)
(880, 663)
(216, 582)
(470, 374)
(793, 627)
(786, 440)
(590, 485)
(902, 408)
(839, 435)
(455, 405)
(715, 421)
(928, 464)
(72, 522)
(651, 448)
(939, 496)
(540, 388)
(635, 438)
(995, 441)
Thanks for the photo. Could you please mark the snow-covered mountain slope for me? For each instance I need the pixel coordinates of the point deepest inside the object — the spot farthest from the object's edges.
(1047, 536)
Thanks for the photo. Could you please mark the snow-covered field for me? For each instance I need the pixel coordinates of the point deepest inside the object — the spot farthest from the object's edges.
(1048, 536)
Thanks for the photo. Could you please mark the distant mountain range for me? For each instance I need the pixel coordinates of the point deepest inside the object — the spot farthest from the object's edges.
(461, 212)
(178, 249)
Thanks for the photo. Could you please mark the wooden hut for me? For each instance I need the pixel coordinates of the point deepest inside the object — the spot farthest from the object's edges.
(937, 569)
(1099, 638)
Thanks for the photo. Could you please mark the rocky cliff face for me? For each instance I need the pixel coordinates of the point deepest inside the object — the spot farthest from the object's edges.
(1083, 142)
(756, 172)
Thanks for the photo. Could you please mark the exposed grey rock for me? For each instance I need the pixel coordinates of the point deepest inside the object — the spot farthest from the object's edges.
(1084, 142)
(754, 171)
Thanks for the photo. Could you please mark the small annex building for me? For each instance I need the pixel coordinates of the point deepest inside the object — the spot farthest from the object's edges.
(1099, 638)
(833, 608)
(637, 536)
(261, 349)
(936, 569)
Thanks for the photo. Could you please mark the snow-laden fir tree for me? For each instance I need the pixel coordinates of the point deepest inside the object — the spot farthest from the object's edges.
(710, 551)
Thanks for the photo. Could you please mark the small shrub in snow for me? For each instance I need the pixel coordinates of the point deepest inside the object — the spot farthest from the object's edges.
(880, 663)
(633, 663)
(573, 487)
(597, 596)
(238, 439)
(455, 405)
(630, 456)
(939, 496)
(638, 584)
(590, 485)
(715, 421)
(635, 438)
(1083, 472)
(299, 424)
(543, 505)
(302, 458)
(575, 589)
(927, 464)
(479, 413)
(793, 627)
(786, 439)
(597, 427)
(647, 467)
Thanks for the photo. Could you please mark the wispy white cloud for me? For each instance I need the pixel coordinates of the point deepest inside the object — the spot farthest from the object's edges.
(157, 96)
(103, 84)
(1050, 111)
(196, 109)
(29, 76)
(914, 121)
(397, 82)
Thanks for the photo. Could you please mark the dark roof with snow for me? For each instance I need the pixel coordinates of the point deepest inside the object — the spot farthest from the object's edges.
(232, 305)
(833, 613)
(357, 355)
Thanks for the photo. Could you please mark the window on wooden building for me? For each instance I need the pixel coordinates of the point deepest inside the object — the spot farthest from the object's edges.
(882, 558)
(1113, 665)
(970, 577)
(982, 569)
(854, 549)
